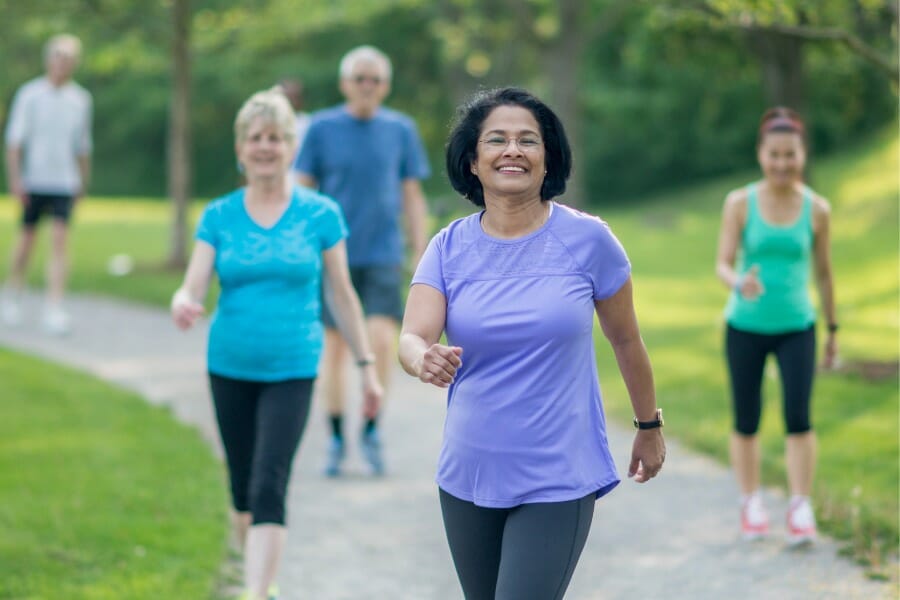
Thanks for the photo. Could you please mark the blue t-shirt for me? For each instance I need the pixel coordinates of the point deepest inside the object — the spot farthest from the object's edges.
(362, 164)
(525, 420)
(267, 324)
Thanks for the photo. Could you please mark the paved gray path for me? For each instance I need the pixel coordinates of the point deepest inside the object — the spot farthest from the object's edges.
(362, 538)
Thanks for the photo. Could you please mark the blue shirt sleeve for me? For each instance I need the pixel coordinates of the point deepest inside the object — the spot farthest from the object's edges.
(430, 270)
(208, 227)
(415, 164)
(608, 265)
(331, 224)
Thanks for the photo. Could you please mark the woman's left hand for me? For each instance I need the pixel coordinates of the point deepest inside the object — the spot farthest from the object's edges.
(648, 453)
(372, 391)
(829, 358)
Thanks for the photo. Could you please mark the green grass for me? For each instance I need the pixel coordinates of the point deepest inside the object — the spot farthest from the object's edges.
(102, 228)
(671, 240)
(102, 496)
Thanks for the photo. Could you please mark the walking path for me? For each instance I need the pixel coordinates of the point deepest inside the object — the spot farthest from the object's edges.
(363, 538)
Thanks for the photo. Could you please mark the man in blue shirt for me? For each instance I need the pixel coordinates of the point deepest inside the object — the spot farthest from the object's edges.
(370, 159)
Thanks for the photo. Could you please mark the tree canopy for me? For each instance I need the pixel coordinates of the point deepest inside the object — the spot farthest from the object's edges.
(654, 93)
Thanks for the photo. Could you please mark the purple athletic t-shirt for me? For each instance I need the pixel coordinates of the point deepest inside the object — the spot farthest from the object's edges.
(525, 419)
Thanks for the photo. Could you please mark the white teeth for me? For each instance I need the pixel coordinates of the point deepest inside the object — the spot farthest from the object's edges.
(512, 169)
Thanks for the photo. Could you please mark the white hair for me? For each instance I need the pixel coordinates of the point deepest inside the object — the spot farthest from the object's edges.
(364, 54)
(273, 108)
(63, 43)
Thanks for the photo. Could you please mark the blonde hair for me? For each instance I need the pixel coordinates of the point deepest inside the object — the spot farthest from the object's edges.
(273, 107)
(63, 43)
(364, 54)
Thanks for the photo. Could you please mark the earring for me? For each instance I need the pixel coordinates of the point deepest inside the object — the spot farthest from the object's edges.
(240, 167)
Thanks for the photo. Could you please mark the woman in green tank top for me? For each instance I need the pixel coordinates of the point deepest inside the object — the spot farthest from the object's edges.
(774, 236)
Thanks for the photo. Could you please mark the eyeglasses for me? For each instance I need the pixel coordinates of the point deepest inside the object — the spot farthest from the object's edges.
(525, 143)
(360, 79)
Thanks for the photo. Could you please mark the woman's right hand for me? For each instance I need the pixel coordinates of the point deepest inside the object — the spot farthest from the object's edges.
(439, 364)
(185, 311)
(748, 285)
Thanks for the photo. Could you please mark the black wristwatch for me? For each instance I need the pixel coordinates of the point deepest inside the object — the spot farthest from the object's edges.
(657, 422)
(365, 362)
(832, 327)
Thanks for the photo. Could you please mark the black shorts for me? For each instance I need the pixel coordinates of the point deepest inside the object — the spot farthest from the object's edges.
(378, 288)
(59, 206)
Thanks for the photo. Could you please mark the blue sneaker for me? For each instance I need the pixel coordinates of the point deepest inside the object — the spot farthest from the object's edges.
(370, 444)
(336, 454)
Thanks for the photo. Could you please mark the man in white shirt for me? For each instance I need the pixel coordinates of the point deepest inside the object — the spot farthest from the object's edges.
(48, 152)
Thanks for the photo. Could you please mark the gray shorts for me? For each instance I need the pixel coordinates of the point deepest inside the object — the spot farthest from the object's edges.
(378, 288)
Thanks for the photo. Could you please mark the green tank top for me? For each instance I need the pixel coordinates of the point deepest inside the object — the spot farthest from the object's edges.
(783, 254)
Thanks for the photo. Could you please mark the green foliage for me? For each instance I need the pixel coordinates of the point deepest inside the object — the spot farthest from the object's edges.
(102, 496)
(667, 91)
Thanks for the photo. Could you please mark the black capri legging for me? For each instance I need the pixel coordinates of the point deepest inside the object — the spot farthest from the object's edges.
(528, 552)
(261, 424)
(746, 353)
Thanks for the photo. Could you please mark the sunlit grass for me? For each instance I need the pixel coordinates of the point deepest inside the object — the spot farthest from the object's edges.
(102, 496)
(101, 229)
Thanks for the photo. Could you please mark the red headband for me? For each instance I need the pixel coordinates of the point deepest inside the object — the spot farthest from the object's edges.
(782, 122)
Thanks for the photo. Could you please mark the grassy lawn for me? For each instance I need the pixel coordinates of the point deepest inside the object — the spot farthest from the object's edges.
(102, 229)
(671, 240)
(102, 496)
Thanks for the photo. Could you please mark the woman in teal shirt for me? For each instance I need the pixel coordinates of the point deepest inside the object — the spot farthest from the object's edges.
(269, 243)
(774, 234)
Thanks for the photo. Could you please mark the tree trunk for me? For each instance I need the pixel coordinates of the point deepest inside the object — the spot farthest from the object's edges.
(781, 60)
(179, 146)
(562, 62)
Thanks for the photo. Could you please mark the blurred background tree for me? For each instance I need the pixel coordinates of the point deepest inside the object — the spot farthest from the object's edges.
(654, 93)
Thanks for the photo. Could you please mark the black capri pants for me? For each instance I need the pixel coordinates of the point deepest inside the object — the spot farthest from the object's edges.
(527, 552)
(260, 424)
(746, 353)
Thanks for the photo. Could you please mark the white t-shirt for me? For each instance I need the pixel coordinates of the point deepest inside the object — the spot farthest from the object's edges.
(52, 125)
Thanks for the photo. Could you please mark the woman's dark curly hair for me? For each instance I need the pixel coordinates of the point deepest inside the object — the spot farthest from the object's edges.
(462, 145)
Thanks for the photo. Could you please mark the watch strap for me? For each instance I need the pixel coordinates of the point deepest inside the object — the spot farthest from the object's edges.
(654, 424)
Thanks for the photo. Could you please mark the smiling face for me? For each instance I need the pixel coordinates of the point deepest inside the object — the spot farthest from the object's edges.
(265, 151)
(782, 158)
(510, 158)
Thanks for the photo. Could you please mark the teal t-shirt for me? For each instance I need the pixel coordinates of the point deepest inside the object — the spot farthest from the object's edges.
(267, 325)
(783, 254)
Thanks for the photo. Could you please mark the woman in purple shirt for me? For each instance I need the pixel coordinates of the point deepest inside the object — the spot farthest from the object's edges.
(515, 288)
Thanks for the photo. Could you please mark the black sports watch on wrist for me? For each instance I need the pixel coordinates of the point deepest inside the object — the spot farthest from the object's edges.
(655, 423)
(833, 327)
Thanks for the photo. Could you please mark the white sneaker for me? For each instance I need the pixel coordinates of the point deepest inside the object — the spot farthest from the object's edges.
(10, 311)
(754, 519)
(801, 522)
(56, 321)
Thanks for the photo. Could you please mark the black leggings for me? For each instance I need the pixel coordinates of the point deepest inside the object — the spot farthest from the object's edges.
(528, 552)
(795, 352)
(261, 425)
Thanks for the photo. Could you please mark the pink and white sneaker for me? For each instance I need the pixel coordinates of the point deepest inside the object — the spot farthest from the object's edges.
(801, 522)
(754, 519)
